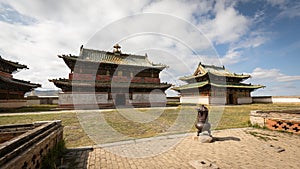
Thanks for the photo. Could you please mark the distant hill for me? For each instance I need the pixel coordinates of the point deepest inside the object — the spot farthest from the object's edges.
(51, 92)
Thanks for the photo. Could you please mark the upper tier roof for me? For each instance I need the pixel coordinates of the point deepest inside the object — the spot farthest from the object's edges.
(227, 85)
(21, 83)
(12, 66)
(115, 57)
(97, 84)
(202, 70)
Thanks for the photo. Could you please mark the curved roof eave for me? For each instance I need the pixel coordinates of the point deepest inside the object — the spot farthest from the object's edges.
(202, 84)
(76, 58)
(201, 75)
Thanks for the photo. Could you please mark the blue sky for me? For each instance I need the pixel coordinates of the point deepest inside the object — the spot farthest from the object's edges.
(260, 38)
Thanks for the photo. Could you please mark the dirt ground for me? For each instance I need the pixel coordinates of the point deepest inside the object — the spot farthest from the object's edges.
(232, 148)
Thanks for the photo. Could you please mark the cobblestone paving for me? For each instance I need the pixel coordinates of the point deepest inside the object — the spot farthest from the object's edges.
(234, 148)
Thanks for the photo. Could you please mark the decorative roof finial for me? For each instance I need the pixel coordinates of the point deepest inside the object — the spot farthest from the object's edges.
(117, 48)
(80, 51)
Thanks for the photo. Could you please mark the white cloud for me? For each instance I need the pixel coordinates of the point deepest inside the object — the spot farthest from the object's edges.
(288, 9)
(76, 13)
(231, 57)
(272, 74)
(182, 9)
(277, 2)
(290, 12)
(230, 27)
(253, 40)
(276, 82)
(227, 26)
(235, 52)
(61, 27)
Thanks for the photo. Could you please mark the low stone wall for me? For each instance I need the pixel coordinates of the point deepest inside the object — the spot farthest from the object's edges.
(286, 99)
(12, 103)
(27, 144)
(173, 99)
(244, 100)
(103, 100)
(84, 100)
(40, 100)
(194, 100)
(221, 100)
(276, 99)
(148, 100)
(288, 120)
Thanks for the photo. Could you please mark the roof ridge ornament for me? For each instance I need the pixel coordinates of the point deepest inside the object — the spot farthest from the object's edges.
(117, 48)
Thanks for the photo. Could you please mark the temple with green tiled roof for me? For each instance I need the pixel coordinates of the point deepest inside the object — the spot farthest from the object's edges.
(211, 84)
(110, 79)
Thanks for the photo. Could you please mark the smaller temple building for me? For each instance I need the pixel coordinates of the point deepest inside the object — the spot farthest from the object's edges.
(215, 85)
(103, 79)
(12, 90)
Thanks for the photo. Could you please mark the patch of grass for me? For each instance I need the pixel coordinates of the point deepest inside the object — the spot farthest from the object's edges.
(52, 159)
(73, 134)
(284, 131)
(256, 126)
(165, 123)
(138, 129)
(262, 136)
(237, 116)
(173, 104)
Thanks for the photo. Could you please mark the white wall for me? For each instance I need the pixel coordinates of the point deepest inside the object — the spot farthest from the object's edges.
(285, 100)
(140, 98)
(276, 99)
(194, 99)
(30, 102)
(211, 100)
(55, 101)
(267, 99)
(151, 98)
(244, 100)
(218, 100)
(82, 98)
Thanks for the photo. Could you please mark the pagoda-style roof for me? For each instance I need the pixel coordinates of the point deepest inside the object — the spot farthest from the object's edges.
(203, 70)
(10, 66)
(17, 82)
(69, 83)
(227, 85)
(8, 83)
(115, 57)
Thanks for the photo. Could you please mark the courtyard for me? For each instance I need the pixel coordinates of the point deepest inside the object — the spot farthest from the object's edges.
(232, 148)
(165, 138)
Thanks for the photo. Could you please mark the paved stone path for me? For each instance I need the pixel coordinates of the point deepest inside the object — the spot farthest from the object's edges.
(234, 148)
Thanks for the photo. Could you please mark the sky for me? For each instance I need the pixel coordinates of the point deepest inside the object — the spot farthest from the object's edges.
(260, 37)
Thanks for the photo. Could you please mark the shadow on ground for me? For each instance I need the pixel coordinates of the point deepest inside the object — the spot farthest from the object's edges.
(76, 158)
(226, 138)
